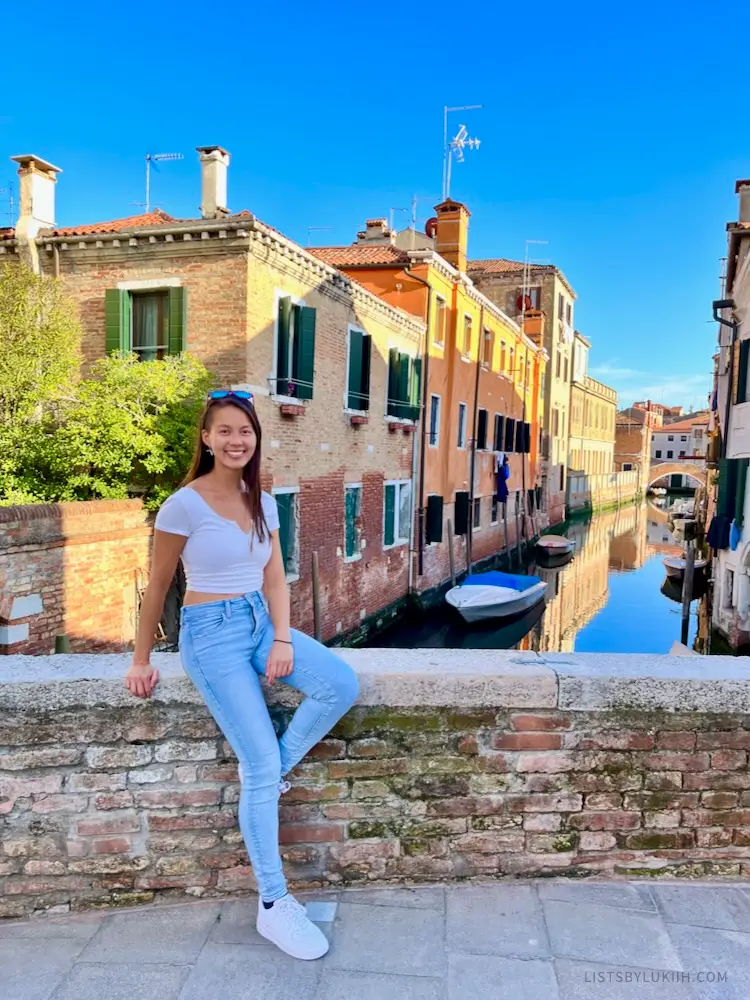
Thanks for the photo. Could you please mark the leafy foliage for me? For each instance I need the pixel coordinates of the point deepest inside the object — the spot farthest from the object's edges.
(127, 429)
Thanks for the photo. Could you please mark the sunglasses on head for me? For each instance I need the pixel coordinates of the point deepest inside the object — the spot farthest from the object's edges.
(228, 393)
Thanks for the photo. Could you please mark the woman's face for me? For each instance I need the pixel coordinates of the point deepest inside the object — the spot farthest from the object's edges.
(231, 437)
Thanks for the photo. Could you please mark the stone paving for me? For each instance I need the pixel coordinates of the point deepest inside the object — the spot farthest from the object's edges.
(543, 940)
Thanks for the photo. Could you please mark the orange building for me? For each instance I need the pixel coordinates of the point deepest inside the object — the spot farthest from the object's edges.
(480, 386)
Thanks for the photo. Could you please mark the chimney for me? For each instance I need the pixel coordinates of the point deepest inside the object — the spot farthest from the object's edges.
(742, 188)
(214, 163)
(376, 231)
(452, 237)
(37, 198)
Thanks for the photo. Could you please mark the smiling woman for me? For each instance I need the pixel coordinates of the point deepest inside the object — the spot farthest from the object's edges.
(235, 629)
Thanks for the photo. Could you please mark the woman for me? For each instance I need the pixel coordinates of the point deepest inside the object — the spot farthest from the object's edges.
(226, 532)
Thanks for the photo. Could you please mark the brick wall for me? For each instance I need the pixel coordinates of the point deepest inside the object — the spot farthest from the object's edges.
(114, 805)
(71, 569)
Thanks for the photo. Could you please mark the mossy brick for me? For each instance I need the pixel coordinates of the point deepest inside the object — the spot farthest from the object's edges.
(442, 765)
(431, 786)
(660, 800)
(434, 847)
(502, 821)
(365, 829)
(363, 721)
(470, 721)
(367, 768)
(651, 840)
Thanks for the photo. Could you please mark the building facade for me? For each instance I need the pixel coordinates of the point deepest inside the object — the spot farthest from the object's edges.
(729, 535)
(680, 441)
(334, 368)
(593, 411)
(483, 394)
(633, 430)
(541, 294)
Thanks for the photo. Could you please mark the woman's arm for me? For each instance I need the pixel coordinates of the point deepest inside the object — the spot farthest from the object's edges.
(281, 658)
(142, 678)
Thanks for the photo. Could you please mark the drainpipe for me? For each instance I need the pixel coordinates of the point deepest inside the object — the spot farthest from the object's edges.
(475, 428)
(423, 443)
(718, 305)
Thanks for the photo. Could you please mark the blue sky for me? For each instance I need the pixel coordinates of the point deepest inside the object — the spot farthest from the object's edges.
(614, 133)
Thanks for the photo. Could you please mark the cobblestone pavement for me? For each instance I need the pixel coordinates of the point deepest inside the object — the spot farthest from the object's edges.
(542, 940)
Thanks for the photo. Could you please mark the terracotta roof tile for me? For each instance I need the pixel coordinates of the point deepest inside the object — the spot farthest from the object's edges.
(360, 255)
(684, 425)
(146, 220)
(500, 265)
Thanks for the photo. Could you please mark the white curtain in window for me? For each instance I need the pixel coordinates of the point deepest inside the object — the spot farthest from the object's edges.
(146, 326)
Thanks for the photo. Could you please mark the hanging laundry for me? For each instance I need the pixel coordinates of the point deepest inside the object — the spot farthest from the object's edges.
(502, 472)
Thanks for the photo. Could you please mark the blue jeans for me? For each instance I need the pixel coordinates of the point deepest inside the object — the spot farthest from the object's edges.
(224, 647)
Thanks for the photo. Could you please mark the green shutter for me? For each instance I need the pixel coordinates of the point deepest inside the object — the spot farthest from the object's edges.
(284, 504)
(177, 325)
(742, 374)
(415, 389)
(304, 350)
(404, 378)
(727, 488)
(366, 356)
(117, 320)
(389, 536)
(739, 494)
(393, 380)
(356, 351)
(282, 346)
(352, 495)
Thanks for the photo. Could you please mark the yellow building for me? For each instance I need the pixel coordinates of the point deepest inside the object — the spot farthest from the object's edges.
(593, 413)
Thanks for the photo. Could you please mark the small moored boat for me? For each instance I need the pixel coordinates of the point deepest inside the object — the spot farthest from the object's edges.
(495, 595)
(555, 545)
(675, 565)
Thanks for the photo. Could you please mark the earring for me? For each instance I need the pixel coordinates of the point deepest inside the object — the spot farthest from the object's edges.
(210, 452)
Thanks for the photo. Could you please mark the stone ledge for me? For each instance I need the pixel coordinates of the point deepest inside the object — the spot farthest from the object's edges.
(420, 678)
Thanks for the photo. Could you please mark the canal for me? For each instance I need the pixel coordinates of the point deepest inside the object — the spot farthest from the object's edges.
(613, 597)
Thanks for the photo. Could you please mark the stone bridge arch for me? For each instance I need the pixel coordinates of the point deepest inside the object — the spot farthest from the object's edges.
(660, 469)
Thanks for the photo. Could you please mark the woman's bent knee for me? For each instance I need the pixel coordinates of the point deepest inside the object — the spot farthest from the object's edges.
(347, 686)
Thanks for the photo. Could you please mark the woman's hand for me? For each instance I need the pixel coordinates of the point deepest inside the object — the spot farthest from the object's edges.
(141, 679)
(280, 661)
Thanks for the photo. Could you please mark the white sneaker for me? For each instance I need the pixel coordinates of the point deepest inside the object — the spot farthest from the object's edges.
(287, 925)
(284, 787)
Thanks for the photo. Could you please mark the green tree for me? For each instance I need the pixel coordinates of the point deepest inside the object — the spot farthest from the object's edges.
(40, 345)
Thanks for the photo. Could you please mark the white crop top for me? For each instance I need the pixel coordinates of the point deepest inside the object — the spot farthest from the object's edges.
(218, 556)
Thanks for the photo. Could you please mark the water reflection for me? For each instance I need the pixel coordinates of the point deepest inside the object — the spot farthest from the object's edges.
(612, 597)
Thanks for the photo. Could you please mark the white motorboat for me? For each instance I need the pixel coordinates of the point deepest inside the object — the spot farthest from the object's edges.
(675, 565)
(495, 595)
(555, 545)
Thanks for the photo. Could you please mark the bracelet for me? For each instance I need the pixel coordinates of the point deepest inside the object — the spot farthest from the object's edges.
(286, 642)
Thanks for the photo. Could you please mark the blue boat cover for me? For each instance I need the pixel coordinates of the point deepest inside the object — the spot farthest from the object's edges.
(497, 579)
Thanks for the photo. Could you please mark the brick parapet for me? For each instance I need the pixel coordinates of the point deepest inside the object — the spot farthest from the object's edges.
(475, 764)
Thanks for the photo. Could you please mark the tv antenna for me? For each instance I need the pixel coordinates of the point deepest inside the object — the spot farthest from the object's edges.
(152, 159)
(8, 192)
(455, 147)
(391, 213)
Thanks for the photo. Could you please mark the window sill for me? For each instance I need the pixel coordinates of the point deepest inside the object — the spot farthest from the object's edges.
(466, 358)
(353, 559)
(292, 577)
(396, 545)
(358, 419)
(292, 409)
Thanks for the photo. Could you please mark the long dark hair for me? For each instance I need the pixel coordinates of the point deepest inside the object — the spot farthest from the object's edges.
(203, 462)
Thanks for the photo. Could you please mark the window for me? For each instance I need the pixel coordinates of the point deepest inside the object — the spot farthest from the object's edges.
(396, 513)
(353, 521)
(670, 454)
(683, 437)
(565, 376)
(560, 306)
(482, 430)
(404, 385)
(503, 357)
(627, 466)
(150, 324)
(510, 434)
(498, 441)
(682, 453)
(441, 320)
(569, 313)
(729, 587)
(358, 383)
(658, 453)
(558, 364)
(670, 437)
(535, 294)
(741, 386)
(488, 347)
(462, 425)
(555, 422)
(434, 433)
(477, 513)
(493, 510)
(543, 384)
(295, 349)
(288, 504)
(466, 348)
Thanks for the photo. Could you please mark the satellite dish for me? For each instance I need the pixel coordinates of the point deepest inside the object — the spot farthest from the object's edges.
(430, 227)
(520, 303)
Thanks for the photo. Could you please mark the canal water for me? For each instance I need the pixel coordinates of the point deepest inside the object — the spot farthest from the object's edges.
(613, 597)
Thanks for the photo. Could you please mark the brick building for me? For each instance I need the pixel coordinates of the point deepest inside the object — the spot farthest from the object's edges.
(484, 386)
(540, 293)
(335, 369)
